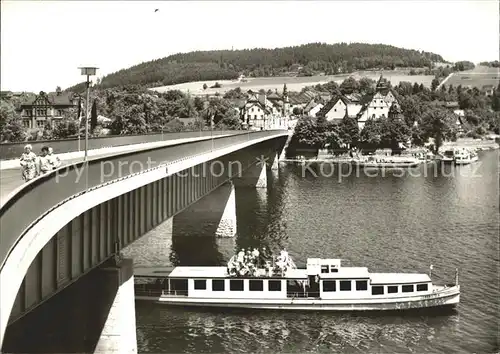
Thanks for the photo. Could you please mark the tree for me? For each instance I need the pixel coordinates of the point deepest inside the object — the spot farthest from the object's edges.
(65, 129)
(349, 131)
(306, 133)
(495, 99)
(93, 116)
(11, 127)
(411, 109)
(417, 135)
(434, 84)
(330, 86)
(416, 88)
(198, 104)
(131, 120)
(371, 135)
(394, 131)
(439, 124)
(230, 120)
(174, 126)
(366, 85)
(331, 137)
(349, 86)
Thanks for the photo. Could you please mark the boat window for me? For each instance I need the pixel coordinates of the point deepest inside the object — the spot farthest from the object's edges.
(218, 285)
(392, 289)
(422, 287)
(361, 285)
(407, 288)
(256, 285)
(345, 285)
(274, 285)
(377, 290)
(333, 269)
(236, 285)
(324, 269)
(329, 285)
(200, 284)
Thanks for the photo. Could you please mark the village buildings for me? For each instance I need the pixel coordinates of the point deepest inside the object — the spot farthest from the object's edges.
(360, 107)
(46, 108)
(261, 111)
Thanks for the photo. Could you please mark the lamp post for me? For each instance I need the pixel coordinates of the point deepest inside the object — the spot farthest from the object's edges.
(87, 71)
(212, 130)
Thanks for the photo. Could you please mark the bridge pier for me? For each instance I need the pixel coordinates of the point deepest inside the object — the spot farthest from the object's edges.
(95, 314)
(119, 333)
(255, 176)
(214, 214)
(275, 166)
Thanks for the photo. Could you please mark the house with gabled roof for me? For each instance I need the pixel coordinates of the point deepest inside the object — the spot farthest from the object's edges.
(378, 105)
(45, 108)
(313, 112)
(263, 112)
(335, 109)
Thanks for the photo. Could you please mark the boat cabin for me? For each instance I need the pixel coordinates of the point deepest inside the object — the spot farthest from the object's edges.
(322, 279)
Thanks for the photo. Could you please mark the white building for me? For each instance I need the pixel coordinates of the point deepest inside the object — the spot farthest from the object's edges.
(266, 112)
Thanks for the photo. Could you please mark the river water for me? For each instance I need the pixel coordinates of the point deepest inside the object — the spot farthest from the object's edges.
(448, 217)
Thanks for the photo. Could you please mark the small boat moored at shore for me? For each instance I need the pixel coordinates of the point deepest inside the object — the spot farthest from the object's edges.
(448, 156)
(465, 157)
(323, 285)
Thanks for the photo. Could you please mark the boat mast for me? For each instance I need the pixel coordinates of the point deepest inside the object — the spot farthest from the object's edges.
(456, 276)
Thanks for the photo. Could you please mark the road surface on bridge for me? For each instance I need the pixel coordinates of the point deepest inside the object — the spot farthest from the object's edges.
(10, 178)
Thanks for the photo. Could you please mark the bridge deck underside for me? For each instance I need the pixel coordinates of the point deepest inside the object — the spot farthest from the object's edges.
(97, 234)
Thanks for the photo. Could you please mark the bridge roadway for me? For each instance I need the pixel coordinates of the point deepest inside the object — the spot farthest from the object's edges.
(18, 213)
(105, 207)
(10, 174)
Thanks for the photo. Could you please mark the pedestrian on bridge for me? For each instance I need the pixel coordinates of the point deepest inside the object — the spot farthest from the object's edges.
(47, 160)
(28, 162)
(54, 161)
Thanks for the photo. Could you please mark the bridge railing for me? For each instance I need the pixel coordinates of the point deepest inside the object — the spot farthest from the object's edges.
(14, 150)
(39, 196)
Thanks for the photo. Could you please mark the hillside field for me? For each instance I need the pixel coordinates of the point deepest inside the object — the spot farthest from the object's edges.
(477, 77)
(292, 83)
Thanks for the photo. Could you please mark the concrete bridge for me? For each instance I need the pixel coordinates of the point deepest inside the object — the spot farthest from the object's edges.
(64, 230)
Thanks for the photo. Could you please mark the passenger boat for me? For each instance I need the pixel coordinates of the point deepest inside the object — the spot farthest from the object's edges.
(323, 285)
(448, 156)
(465, 157)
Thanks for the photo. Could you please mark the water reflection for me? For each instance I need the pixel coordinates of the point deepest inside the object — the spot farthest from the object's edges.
(385, 223)
(243, 331)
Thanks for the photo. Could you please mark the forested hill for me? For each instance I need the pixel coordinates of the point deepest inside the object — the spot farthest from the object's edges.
(307, 59)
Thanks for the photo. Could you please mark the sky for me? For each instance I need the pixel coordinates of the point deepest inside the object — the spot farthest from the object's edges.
(44, 42)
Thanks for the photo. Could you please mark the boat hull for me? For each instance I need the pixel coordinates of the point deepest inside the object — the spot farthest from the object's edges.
(466, 161)
(446, 298)
(447, 160)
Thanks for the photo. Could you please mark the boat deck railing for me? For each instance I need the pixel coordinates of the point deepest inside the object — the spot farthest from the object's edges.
(160, 292)
(302, 294)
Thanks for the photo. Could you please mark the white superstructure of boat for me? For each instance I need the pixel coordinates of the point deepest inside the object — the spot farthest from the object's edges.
(323, 285)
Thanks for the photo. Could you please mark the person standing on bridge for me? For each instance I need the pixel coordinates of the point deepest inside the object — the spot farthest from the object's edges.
(28, 163)
(53, 160)
(43, 161)
(48, 161)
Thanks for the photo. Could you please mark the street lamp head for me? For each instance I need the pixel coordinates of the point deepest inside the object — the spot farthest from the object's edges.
(88, 70)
